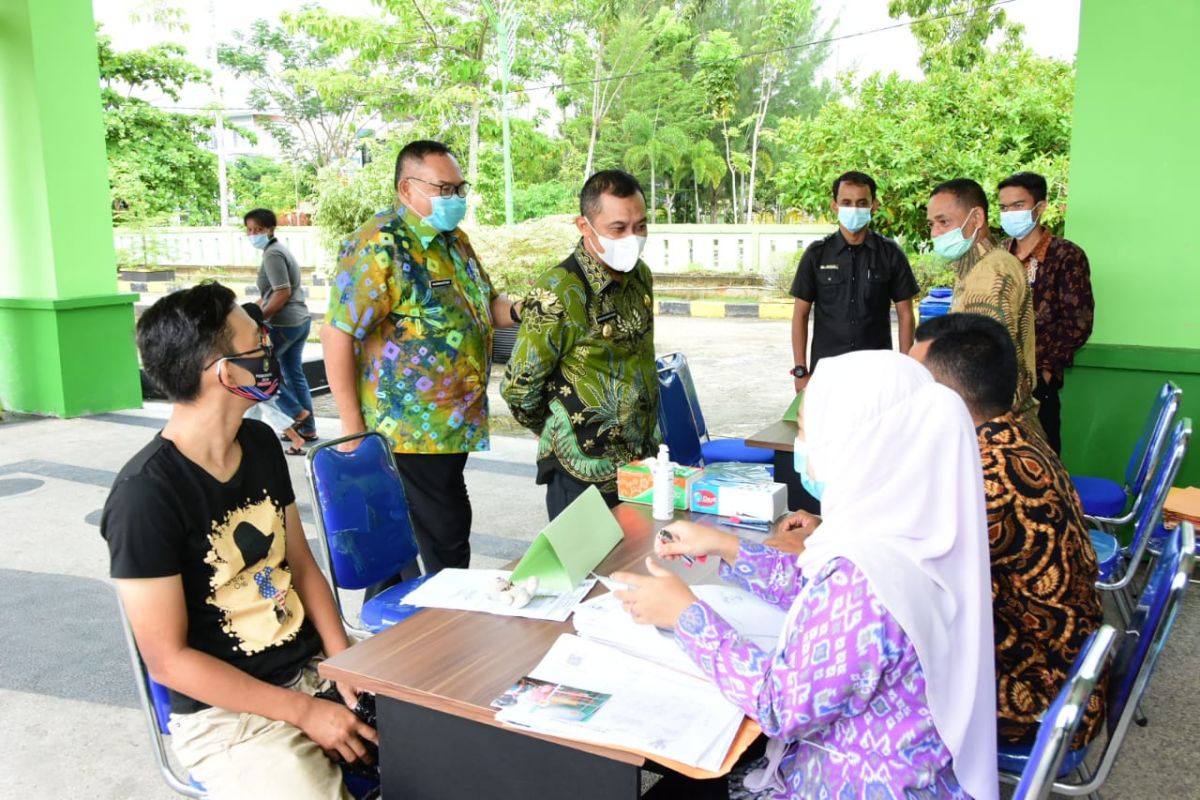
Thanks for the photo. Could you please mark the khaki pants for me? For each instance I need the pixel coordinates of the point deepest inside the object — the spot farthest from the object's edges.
(247, 756)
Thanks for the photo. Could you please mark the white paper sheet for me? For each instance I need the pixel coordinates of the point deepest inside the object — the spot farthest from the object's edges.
(467, 590)
(652, 709)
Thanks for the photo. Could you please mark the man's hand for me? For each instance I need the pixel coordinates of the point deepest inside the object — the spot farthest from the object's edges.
(1047, 375)
(336, 730)
(802, 383)
(657, 599)
(793, 531)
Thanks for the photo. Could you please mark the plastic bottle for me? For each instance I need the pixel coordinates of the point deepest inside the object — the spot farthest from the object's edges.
(664, 485)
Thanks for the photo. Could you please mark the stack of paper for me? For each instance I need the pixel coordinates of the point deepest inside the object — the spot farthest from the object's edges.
(469, 590)
(623, 701)
(603, 620)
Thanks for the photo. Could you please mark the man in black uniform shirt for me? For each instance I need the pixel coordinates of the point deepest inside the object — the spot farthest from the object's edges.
(226, 603)
(853, 277)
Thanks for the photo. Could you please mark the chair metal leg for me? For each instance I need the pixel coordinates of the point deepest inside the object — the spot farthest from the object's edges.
(1139, 717)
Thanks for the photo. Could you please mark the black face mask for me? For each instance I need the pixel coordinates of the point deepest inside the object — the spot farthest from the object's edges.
(265, 369)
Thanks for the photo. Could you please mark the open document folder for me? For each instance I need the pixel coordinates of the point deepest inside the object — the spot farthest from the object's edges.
(627, 702)
(572, 545)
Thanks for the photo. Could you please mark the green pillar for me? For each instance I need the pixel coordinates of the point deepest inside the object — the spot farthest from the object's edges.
(66, 335)
(1134, 169)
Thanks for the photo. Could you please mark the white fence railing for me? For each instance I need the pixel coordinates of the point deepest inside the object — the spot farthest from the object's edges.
(670, 248)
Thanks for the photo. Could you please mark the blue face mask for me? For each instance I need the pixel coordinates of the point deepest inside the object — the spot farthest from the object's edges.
(1017, 224)
(952, 245)
(800, 463)
(854, 219)
(259, 241)
(447, 212)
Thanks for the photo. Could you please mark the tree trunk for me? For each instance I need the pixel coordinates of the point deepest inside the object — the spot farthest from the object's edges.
(587, 169)
(732, 171)
(653, 215)
(473, 160)
(696, 185)
(766, 87)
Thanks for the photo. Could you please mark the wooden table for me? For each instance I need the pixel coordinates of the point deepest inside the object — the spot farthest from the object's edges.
(781, 438)
(435, 673)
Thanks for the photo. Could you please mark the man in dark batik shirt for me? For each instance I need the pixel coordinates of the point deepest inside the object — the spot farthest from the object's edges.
(1044, 598)
(1057, 270)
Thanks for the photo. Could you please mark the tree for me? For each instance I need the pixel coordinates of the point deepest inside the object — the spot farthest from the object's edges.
(261, 182)
(1011, 111)
(158, 164)
(320, 118)
(707, 168)
(717, 60)
(649, 145)
(954, 31)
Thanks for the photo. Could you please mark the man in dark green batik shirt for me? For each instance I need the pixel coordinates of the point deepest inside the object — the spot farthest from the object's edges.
(582, 375)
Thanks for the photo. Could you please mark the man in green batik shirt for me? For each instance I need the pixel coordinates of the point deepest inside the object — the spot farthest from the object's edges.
(582, 375)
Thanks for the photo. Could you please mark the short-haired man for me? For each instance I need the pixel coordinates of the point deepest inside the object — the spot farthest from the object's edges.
(989, 280)
(408, 343)
(853, 277)
(228, 607)
(1059, 273)
(1044, 598)
(582, 375)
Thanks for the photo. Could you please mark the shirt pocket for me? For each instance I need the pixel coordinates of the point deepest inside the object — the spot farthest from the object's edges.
(877, 273)
(831, 282)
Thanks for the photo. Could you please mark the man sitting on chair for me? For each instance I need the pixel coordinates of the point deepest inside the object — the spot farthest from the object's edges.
(228, 607)
(1044, 598)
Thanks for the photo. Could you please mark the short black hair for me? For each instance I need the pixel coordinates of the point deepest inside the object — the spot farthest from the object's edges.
(976, 357)
(856, 178)
(416, 152)
(968, 193)
(181, 333)
(1029, 181)
(265, 217)
(607, 181)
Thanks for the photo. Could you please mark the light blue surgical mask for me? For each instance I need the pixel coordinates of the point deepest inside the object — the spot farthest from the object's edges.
(446, 212)
(952, 245)
(1017, 224)
(854, 219)
(800, 464)
(259, 241)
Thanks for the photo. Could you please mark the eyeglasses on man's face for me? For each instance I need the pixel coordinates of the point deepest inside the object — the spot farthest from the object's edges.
(264, 349)
(446, 190)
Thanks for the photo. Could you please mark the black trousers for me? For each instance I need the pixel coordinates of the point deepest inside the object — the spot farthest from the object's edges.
(562, 489)
(1050, 410)
(439, 506)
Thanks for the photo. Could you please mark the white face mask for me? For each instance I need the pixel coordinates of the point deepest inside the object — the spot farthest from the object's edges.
(620, 254)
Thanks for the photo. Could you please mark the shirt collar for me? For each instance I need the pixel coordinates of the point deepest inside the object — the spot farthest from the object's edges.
(424, 232)
(597, 274)
(1038, 253)
(840, 243)
(991, 431)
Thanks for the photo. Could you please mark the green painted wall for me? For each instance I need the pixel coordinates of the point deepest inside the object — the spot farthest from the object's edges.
(1134, 165)
(66, 344)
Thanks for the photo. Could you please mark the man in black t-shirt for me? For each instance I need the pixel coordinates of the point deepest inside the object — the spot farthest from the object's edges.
(853, 277)
(226, 603)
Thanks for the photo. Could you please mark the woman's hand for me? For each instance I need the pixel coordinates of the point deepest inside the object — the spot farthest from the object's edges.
(692, 539)
(792, 533)
(655, 599)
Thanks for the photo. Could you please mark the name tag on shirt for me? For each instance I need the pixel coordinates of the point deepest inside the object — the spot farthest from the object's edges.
(829, 266)
(441, 283)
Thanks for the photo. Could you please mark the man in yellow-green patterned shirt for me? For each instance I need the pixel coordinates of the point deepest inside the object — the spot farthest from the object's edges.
(990, 280)
(408, 341)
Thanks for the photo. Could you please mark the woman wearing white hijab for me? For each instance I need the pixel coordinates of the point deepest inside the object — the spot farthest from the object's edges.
(882, 683)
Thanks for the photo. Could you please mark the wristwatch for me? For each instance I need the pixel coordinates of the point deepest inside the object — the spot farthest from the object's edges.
(799, 371)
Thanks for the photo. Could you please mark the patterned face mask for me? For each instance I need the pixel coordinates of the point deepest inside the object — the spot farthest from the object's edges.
(263, 365)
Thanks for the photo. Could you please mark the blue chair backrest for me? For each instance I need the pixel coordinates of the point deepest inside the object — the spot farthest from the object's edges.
(1154, 434)
(1150, 514)
(675, 420)
(363, 512)
(1062, 719)
(1151, 623)
(161, 699)
(677, 363)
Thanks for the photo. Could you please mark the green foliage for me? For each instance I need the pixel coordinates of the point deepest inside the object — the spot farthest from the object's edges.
(515, 257)
(954, 32)
(1012, 111)
(158, 167)
(346, 201)
(931, 270)
(261, 182)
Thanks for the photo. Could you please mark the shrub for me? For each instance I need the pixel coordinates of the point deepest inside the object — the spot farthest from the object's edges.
(931, 270)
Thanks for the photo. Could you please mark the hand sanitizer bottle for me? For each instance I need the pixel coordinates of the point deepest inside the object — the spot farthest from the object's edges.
(664, 485)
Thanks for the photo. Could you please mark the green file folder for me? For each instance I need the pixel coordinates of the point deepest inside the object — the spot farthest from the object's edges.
(572, 545)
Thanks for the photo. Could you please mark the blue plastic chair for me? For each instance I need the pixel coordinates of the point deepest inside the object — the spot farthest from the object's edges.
(1106, 500)
(1062, 719)
(366, 531)
(674, 374)
(1131, 671)
(1119, 565)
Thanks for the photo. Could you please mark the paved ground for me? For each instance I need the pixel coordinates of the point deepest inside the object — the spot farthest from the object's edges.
(67, 706)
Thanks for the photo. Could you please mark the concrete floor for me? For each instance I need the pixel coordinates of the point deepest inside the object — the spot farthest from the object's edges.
(68, 712)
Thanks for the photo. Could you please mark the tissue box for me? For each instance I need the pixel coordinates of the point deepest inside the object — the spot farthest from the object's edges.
(736, 489)
(635, 483)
